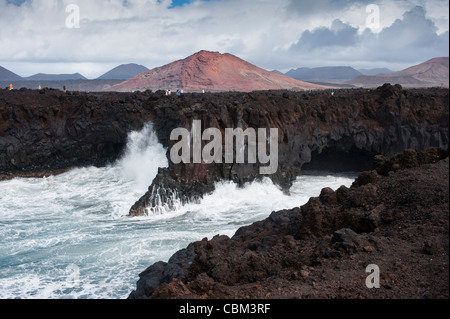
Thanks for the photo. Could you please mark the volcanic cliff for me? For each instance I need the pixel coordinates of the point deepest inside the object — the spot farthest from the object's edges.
(316, 130)
(211, 71)
(42, 131)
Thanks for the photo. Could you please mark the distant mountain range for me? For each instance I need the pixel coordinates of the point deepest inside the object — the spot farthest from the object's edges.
(324, 73)
(54, 77)
(212, 71)
(330, 73)
(434, 72)
(374, 71)
(123, 72)
(73, 82)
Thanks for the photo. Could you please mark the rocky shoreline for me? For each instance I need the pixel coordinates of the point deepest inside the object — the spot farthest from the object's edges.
(395, 216)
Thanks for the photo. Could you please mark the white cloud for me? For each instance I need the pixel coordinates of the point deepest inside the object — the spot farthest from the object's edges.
(409, 40)
(34, 37)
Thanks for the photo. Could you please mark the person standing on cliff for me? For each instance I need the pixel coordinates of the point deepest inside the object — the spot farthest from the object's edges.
(10, 87)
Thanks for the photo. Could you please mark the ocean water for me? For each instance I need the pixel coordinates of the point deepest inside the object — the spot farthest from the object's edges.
(67, 237)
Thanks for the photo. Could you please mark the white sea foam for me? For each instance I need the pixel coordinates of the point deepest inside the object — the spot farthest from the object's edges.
(48, 226)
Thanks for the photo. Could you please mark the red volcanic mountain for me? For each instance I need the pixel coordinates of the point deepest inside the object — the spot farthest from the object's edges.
(434, 72)
(211, 71)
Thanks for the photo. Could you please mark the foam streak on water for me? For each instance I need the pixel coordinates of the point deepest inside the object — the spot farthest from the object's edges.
(65, 236)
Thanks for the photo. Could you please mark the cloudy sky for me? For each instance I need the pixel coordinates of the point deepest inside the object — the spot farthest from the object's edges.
(93, 36)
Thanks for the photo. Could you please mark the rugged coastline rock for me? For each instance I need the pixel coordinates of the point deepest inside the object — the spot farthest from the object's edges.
(395, 216)
(316, 130)
(48, 131)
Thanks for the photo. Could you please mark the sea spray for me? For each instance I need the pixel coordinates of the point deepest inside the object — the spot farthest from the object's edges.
(49, 227)
(143, 156)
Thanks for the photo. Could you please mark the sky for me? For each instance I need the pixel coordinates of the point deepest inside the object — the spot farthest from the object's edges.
(93, 36)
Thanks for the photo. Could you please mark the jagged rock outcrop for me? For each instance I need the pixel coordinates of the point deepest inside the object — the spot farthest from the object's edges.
(315, 131)
(394, 216)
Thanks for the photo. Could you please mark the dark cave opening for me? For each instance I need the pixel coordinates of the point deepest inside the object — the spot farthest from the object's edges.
(337, 161)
